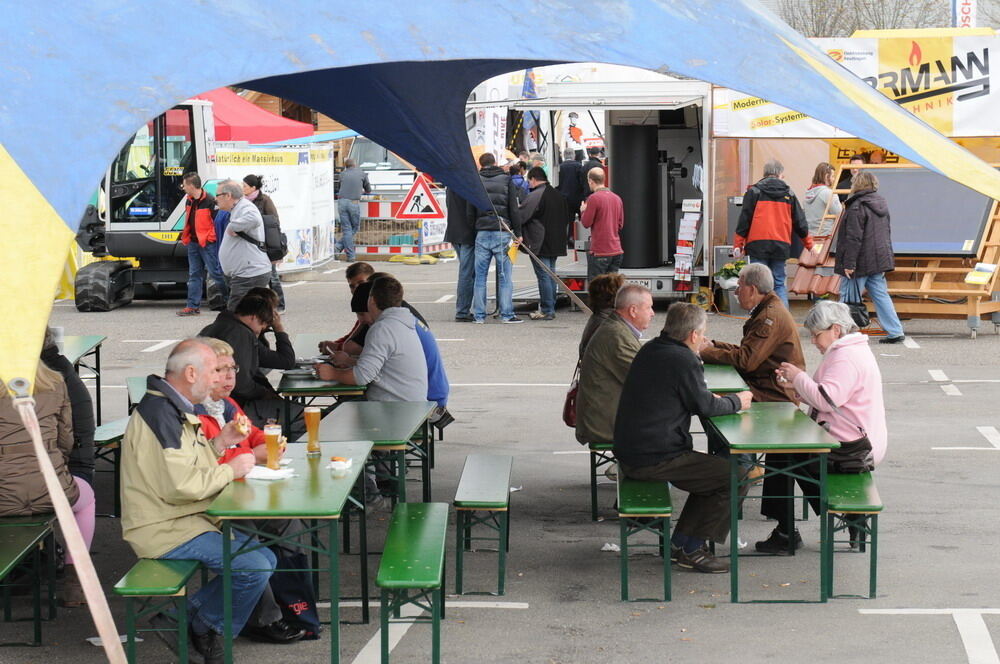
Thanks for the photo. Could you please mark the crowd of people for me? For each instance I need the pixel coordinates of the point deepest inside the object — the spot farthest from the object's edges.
(641, 398)
(526, 210)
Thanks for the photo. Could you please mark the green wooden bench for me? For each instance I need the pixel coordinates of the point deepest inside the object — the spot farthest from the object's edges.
(853, 504)
(644, 507)
(483, 498)
(107, 447)
(413, 560)
(601, 455)
(157, 585)
(136, 388)
(21, 537)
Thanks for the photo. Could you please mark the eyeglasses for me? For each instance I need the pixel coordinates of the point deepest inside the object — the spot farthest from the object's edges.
(221, 194)
(225, 370)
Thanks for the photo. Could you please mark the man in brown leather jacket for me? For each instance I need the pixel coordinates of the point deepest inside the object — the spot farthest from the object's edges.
(770, 337)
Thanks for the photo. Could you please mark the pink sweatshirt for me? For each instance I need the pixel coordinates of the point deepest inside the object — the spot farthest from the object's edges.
(850, 376)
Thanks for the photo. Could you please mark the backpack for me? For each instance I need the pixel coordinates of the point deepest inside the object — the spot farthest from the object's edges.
(275, 243)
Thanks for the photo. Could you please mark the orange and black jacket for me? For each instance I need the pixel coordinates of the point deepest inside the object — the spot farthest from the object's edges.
(770, 214)
(199, 215)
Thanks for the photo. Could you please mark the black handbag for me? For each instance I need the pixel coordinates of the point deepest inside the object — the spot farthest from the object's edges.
(853, 456)
(293, 591)
(859, 311)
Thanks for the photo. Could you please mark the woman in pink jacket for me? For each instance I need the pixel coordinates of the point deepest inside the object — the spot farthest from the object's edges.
(844, 396)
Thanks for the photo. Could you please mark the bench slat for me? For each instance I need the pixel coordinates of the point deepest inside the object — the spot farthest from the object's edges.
(485, 482)
(413, 555)
(153, 577)
(852, 493)
(637, 497)
(110, 432)
(16, 542)
(601, 447)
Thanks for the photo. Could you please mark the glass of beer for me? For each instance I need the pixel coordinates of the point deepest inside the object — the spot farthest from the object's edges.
(312, 429)
(272, 438)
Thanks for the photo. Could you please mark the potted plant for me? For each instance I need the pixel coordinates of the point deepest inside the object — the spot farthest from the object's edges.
(729, 273)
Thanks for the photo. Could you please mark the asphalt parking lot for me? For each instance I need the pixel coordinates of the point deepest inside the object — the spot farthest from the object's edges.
(937, 545)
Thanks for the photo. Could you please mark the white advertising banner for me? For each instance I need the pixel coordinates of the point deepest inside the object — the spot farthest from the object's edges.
(943, 80)
(299, 179)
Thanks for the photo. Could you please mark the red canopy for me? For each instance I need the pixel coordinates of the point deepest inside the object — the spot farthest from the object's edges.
(236, 119)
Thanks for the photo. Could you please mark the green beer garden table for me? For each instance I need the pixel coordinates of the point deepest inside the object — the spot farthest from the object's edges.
(314, 496)
(772, 428)
(306, 389)
(723, 378)
(77, 349)
(392, 427)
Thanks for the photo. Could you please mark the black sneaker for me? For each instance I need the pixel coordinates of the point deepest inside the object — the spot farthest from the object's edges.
(892, 340)
(464, 319)
(512, 319)
(777, 543)
(675, 552)
(277, 632)
(702, 561)
(208, 645)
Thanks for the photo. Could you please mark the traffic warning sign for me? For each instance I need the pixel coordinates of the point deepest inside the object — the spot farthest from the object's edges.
(420, 202)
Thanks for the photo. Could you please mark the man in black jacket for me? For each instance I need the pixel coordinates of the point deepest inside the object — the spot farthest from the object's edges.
(461, 233)
(570, 186)
(241, 329)
(664, 387)
(593, 161)
(544, 229)
(493, 241)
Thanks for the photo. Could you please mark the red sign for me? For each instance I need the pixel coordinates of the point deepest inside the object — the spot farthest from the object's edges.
(420, 202)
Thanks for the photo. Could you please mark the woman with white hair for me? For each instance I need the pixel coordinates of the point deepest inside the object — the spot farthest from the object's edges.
(845, 398)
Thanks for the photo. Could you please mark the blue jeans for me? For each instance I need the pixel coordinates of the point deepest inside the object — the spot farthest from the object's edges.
(350, 224)
(493, 245)
(199, 259)
(777, 267)
(879, 293)
(466, 279)
(546, 287)
(247, 586)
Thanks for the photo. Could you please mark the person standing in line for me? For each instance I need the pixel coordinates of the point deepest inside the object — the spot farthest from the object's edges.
(202, 244)
(770, 214)
(544, 228)
(252, 189)
(244, 263)
(593, 161)
(864, 252)
(570, 187)
(516, 172)
(604, 214)
(816, 197)
(493, 241)
(461, 233)
(353, 184)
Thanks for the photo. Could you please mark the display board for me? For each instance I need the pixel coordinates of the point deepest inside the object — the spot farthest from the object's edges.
(932, 215)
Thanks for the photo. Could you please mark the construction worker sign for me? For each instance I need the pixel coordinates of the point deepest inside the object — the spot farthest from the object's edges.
(420, 202)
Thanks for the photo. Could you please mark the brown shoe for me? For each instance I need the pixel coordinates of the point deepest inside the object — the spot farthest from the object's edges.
(702, 561)
(72, 592)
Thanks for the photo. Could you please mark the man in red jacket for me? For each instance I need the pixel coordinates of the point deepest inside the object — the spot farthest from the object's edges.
(604, 214)
(202, 244)
(770, 214)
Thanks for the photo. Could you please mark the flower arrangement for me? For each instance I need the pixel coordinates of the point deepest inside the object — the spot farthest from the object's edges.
(731, 270)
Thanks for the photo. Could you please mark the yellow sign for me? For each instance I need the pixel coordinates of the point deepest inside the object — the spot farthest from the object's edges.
(283, 158)
(169, 237)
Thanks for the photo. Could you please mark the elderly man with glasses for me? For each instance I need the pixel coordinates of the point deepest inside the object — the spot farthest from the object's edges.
(243, 261)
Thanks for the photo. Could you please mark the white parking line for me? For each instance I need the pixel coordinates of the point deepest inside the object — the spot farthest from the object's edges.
(336, 269)
(991, 435)
(444, 298)
(298, 283)
(951, 390)
(159, 346)
(564, 452)
(910, 343)
(976, 639)
(938, 375)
